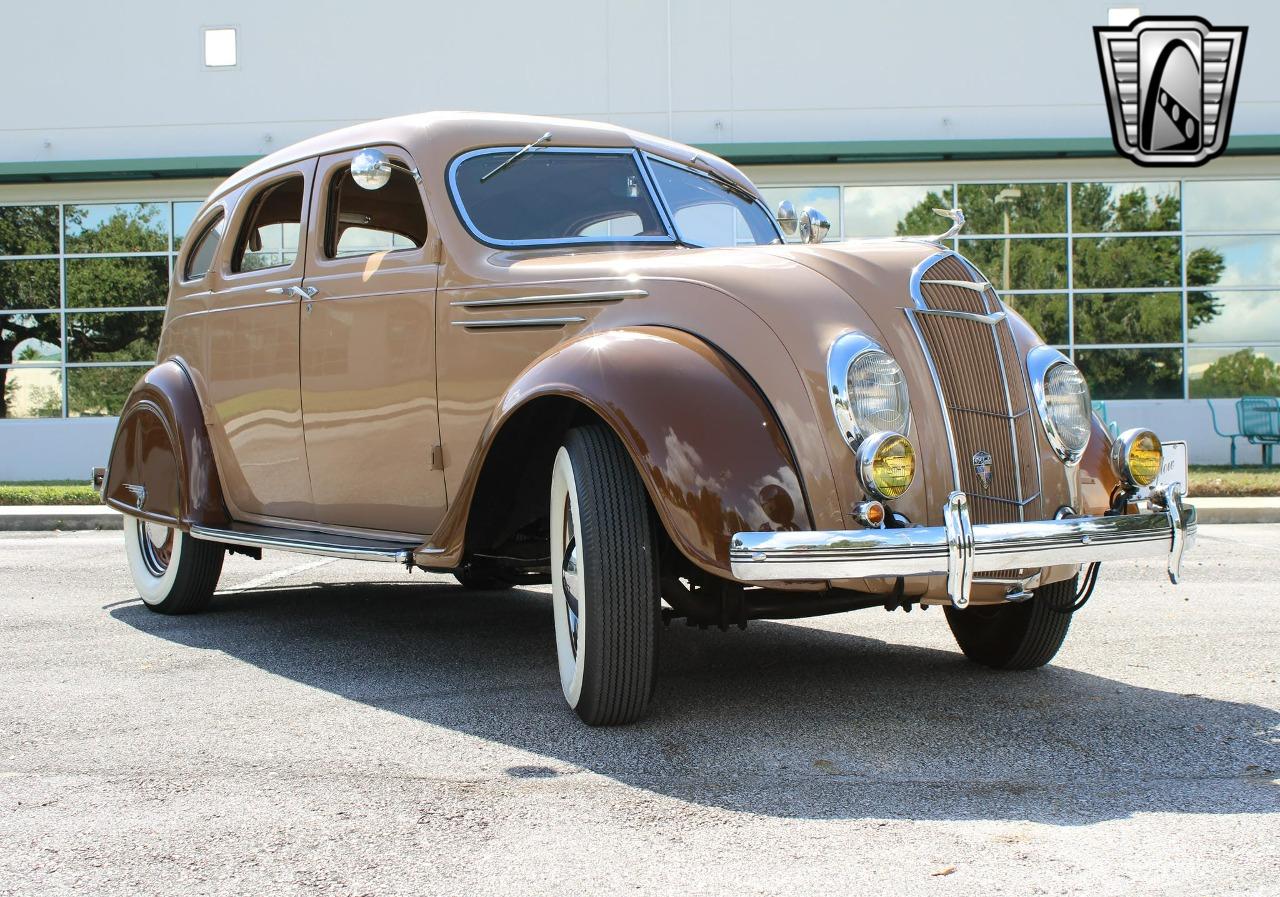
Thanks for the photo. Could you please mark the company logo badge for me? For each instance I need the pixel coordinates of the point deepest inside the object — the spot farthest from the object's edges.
(982, 467)
(139, 493)
(1171, 85)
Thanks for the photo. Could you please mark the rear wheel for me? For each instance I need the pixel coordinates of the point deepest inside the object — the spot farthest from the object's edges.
(174, 573)
(604, 579)
(1015, 636)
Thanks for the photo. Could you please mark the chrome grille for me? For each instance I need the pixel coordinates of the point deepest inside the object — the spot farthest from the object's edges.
(981, 387)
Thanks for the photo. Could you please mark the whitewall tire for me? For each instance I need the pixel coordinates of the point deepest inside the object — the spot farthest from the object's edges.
(174, 573)
(604, 576)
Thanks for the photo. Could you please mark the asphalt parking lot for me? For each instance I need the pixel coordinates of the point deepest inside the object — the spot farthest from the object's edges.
(337, 728)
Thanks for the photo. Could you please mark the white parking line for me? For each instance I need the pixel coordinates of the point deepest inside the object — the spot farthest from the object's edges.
(279, 574)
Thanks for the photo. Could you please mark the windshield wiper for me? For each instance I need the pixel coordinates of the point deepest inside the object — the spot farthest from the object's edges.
(543, 139)
(732, 186)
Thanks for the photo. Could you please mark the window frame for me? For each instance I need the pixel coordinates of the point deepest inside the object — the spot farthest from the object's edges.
(400, 160)
(669, 236)
(203, 225)
(245, 207)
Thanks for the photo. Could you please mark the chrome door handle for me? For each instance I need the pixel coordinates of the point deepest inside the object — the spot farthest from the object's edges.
(300, 292)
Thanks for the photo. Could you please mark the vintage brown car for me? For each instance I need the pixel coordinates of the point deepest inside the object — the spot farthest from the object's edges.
(527, 350)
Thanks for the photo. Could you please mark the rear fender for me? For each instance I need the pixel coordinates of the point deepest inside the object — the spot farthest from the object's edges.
(707, 445)
(161, 465)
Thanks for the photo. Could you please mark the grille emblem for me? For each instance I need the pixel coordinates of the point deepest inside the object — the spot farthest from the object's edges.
(982, 467)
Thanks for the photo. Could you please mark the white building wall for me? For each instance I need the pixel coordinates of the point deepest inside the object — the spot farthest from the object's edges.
(129, 80)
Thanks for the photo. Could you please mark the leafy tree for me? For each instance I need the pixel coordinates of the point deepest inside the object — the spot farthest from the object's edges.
(91, 283)
(1242, 373)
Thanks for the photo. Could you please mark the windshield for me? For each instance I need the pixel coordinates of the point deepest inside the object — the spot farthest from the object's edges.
(552, 195)
(556, 197)
(707, 212)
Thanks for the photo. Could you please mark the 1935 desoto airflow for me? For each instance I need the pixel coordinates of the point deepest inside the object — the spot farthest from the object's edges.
(528, 350)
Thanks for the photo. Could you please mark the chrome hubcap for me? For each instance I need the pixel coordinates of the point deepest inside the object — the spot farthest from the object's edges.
(571, 577)
(156, 543)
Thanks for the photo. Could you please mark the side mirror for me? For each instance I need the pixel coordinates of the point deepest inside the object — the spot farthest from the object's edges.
(813, 226)
(786, 216)
(371, 169)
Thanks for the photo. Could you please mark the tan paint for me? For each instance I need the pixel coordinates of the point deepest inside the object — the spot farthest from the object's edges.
(343, 440)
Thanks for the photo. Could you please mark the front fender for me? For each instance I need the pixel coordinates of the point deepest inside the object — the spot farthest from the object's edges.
(706, 443)
(161, 464)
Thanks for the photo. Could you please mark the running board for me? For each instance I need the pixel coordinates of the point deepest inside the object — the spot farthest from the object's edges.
(279, 538)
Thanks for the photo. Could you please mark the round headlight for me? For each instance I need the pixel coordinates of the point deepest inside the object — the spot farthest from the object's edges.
(886, 465)
(1062, 396)
(868, 389)
(1135, 457)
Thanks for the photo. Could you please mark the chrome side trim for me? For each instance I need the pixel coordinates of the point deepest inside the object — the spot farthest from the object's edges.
(511, 323)
(963, 284)
(304, 543)
(555, 299)
(959, 549)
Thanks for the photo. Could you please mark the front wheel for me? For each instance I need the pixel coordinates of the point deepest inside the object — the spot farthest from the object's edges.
(174, 573)
(604, 575)
(1016, 636)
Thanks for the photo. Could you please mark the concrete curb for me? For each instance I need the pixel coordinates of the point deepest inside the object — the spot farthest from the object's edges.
(35, 518)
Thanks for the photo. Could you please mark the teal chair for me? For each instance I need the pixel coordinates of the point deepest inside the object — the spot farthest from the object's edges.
(1100, 409)
(1259, 420)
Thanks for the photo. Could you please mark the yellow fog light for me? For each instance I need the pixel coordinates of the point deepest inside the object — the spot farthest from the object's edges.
(1135, 457)
(886, 464)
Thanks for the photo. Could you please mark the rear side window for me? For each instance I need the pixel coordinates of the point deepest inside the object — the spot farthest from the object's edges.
(206, 248)
(361, 222)
(269, 236)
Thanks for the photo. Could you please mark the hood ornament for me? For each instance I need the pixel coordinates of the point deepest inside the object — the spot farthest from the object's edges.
(956, 216)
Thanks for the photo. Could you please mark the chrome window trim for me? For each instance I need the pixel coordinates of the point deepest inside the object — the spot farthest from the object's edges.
(668, 238)
(845, 350)
(1040, 361)
(756, 200)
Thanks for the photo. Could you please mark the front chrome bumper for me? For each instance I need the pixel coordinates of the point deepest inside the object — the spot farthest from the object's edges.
(960, 548)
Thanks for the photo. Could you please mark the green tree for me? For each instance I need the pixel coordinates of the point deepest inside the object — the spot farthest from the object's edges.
(1242, 373)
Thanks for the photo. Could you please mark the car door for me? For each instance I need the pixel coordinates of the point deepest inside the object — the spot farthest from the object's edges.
(368, 372)
(251, 350)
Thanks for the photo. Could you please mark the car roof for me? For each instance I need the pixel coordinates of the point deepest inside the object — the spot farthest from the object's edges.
(435, 137)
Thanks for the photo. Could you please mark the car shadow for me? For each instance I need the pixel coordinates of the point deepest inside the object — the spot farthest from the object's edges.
(784, 720)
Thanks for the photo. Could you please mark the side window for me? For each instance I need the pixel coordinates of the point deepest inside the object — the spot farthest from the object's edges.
(206, 247)
(269, 236)
(361, 222)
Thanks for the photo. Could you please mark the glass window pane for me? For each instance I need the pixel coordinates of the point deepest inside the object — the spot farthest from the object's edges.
(202, 256)
(706, 213)
(1233, 261)
(1231, 205)
(361, 222)
(117, 282)
(1122, 262)
(30, 339)
(1129, 318)
(118, 227)
(1047, 314)
(1032, 264)
(113, 336)
(28, 230)
(1233, 316)
(29, 284)
(268, 237)
(1231, 373)
(99, 392)
(895, 211)
(31, 391)
(184, 214)
(1014, 208)
(1132, 373)
(552, 196)
(825, 199)
(1124, 206)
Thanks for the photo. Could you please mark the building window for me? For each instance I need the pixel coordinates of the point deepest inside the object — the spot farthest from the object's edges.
(1160, 289)
(82, 295)
(220, 51)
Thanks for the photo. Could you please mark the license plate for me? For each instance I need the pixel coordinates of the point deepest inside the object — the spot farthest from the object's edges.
(1173, 465)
